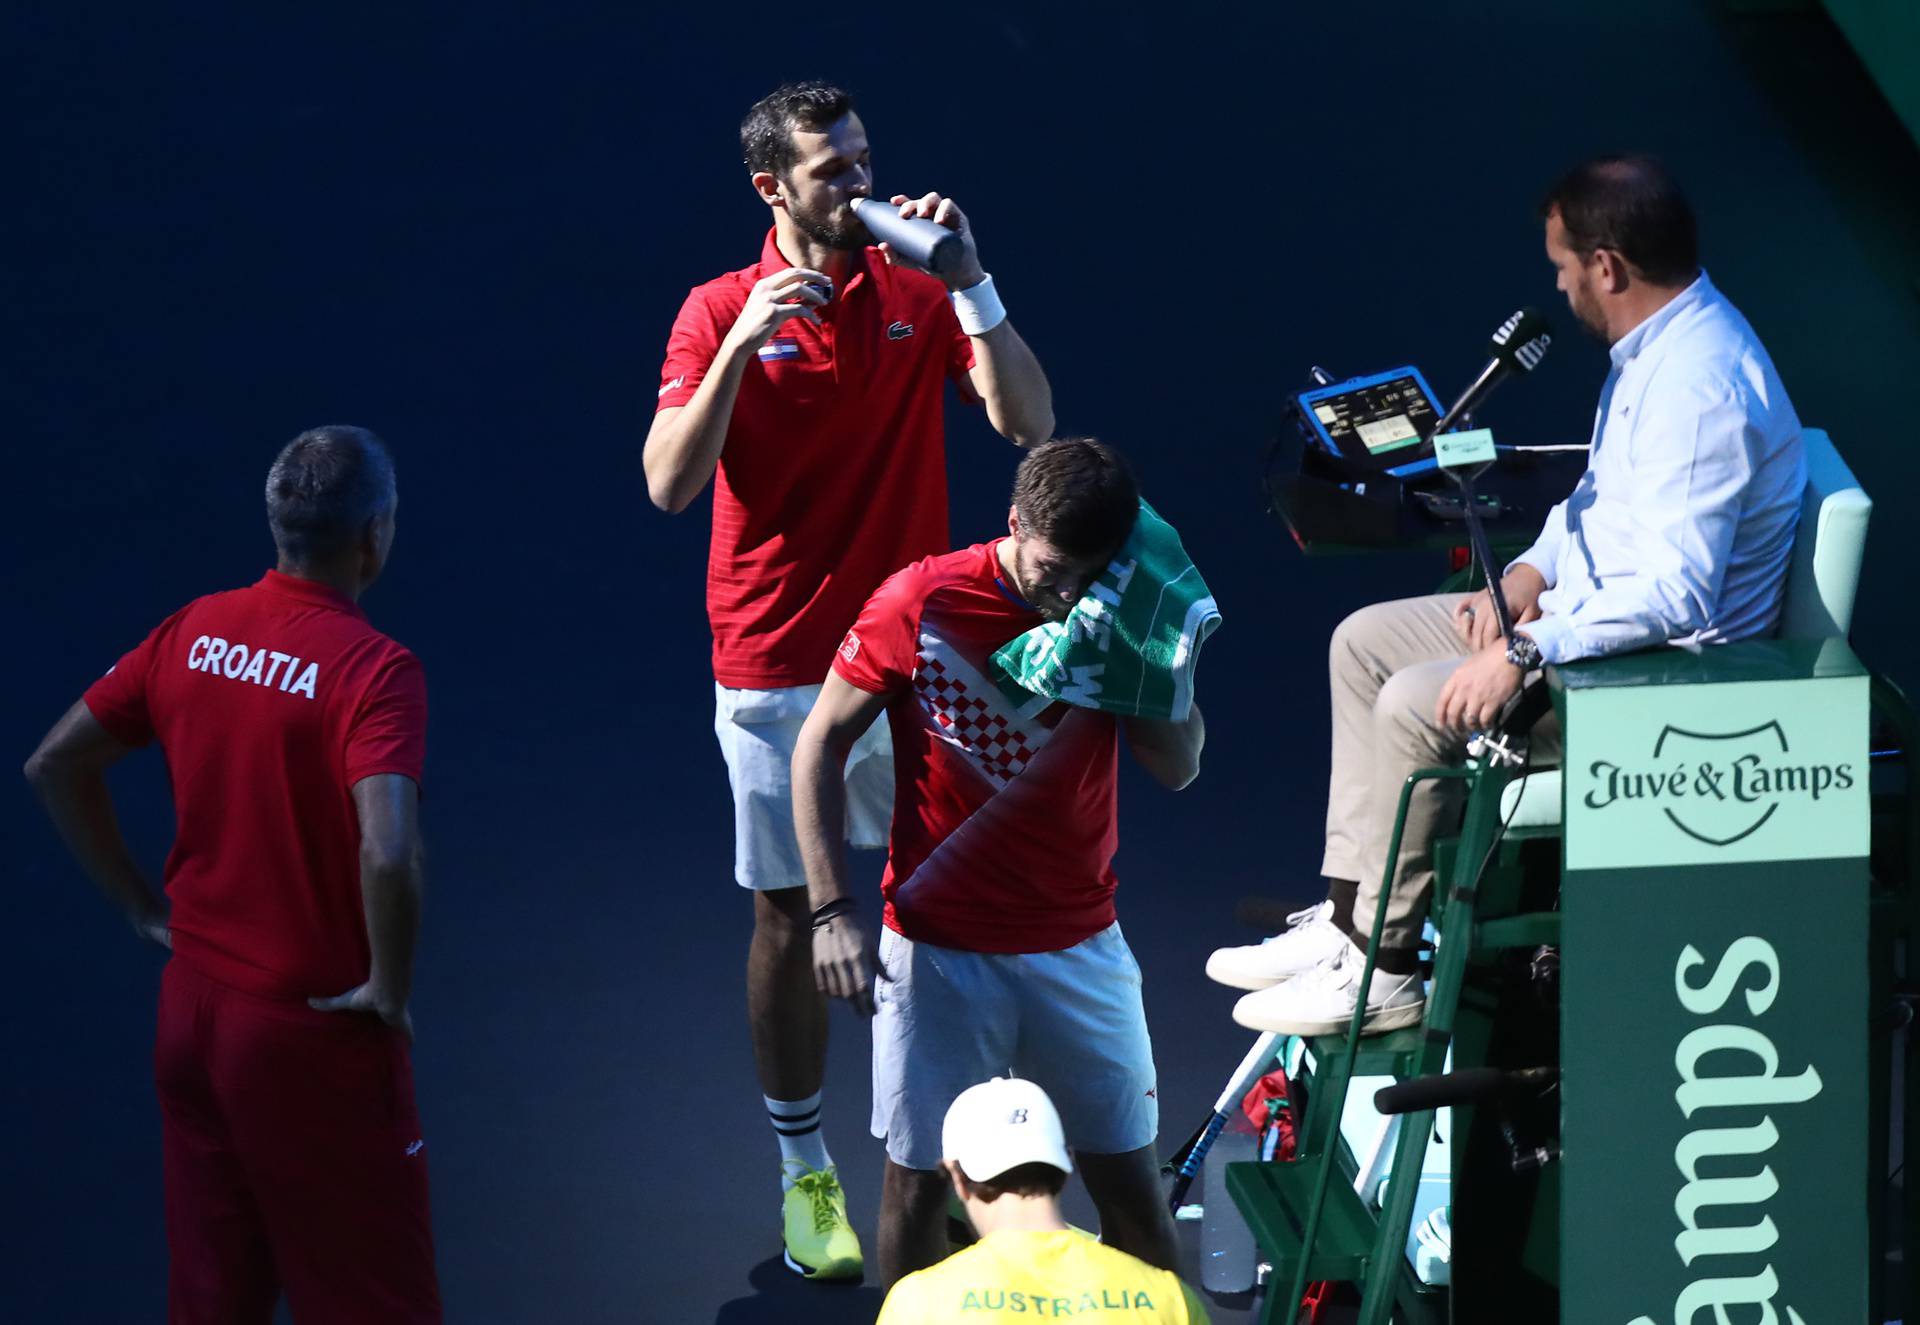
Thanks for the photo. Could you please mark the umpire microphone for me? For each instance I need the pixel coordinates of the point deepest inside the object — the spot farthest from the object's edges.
(1518, 346)
(925, 244)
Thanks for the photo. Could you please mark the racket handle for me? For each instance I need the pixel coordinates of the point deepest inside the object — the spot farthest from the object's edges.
(1190, 1166)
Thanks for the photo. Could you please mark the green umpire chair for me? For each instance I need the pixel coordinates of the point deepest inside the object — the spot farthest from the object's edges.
(1497, 895)
(1823, 577)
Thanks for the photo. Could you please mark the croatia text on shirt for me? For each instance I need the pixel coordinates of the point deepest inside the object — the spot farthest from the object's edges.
(262, 666)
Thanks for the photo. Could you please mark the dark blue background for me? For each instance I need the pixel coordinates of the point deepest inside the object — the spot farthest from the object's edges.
(469, 229)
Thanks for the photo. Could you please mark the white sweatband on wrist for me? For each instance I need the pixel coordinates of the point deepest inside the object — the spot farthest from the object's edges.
(978, 307)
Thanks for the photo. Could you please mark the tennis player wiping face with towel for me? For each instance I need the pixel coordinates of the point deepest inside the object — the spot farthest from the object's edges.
(1000, 950)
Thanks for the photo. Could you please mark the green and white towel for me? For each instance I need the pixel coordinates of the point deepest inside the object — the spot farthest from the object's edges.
(1130, 646)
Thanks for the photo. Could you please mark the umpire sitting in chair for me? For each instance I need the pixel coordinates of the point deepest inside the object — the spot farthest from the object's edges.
(1678, 533)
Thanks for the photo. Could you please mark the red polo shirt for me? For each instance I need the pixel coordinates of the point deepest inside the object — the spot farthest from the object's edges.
(1004, 824)
(269, 703)
(833, 474)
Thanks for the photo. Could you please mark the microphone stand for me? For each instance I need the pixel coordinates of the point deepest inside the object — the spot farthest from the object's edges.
(1495, 745)
(1463, 478)
(1459, 415)
(1482, 550)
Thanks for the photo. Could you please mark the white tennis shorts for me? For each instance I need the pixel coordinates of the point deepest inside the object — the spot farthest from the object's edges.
(757, 731)
(1070, 1020)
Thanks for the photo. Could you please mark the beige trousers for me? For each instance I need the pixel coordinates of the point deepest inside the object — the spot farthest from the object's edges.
(1386, 667)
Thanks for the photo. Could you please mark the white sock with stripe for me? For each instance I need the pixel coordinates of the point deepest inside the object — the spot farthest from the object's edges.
(797, 1124)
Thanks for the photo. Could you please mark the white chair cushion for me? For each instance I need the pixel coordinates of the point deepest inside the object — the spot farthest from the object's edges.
(1824, 570)
(1532, 801)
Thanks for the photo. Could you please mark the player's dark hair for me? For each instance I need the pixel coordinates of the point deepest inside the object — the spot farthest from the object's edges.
(766, 134)
(1034, 1179)
(1078, 494)
(1632, 205)
(325, 486)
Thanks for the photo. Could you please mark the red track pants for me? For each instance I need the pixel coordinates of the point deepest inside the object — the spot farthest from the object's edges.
(294, 1162)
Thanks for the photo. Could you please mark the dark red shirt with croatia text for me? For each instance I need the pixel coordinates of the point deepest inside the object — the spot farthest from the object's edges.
(269, 703)
(1003, 815)
(834, 473)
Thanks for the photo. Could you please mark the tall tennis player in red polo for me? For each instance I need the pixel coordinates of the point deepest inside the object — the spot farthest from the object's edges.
(294, 734)
(808, 388)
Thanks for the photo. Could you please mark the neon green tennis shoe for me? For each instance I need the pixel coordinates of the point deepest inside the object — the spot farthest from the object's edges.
(821, 1244)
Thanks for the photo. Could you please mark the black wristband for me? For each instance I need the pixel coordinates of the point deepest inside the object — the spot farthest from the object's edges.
(839, 906)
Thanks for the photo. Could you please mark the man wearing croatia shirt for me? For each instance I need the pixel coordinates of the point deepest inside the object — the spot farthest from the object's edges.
(294, 735)
(808, 388)
(1000, 951)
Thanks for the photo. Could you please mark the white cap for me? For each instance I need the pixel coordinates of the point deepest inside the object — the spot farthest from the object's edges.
(1001, 1124)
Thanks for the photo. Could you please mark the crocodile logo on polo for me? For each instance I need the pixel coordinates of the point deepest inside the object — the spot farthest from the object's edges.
(1716, 787)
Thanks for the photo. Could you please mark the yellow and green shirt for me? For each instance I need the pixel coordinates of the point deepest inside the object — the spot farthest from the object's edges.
(1049, 1276)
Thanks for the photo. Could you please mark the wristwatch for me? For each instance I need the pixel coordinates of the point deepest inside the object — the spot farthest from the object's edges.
(1522, 652)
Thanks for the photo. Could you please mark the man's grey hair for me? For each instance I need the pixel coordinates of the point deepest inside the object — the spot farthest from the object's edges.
(325, 487)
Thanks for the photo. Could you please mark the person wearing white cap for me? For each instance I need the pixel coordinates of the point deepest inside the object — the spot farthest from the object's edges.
(1006, 1156)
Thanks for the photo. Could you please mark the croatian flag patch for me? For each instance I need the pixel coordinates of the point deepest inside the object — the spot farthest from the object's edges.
(780, 349)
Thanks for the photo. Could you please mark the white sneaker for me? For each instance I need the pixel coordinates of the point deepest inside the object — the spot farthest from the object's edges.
(1321, 1001)
(1310, 938)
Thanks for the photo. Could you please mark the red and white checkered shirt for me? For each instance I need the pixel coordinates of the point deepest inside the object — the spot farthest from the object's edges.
(1003, 826)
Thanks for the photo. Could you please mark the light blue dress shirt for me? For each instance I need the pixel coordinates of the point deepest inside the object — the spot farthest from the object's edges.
(1680, 529)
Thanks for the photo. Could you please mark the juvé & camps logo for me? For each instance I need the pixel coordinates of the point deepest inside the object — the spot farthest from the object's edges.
(1716, 787)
